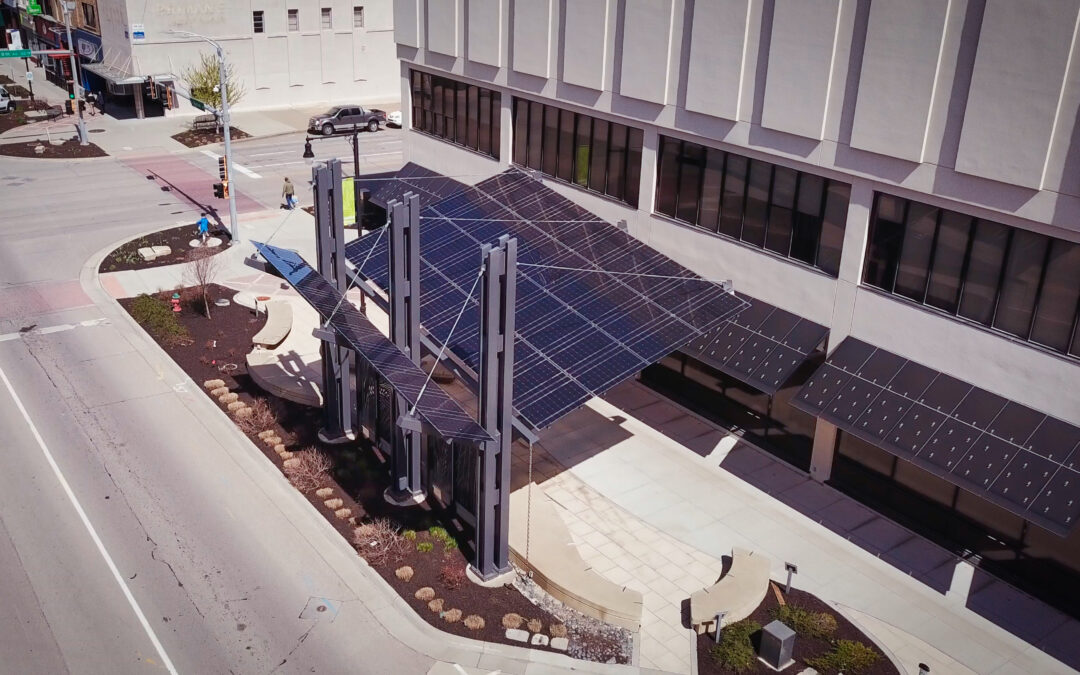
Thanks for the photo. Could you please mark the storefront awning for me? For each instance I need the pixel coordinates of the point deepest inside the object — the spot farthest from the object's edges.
(122, 77)
(1019, 458)
(762, 346)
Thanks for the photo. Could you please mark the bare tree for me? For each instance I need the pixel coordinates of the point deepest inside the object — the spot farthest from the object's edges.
(202, 268)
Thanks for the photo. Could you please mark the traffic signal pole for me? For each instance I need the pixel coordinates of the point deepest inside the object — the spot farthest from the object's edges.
(80, 94)
(234, 231)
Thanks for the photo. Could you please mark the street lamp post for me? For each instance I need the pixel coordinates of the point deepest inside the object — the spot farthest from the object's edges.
(81, 94)
(234, 225)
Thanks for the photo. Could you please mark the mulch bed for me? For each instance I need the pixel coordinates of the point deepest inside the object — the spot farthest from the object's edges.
(127, 257)
(806, 647)
(360, 474)
(68, 149)
(17, 117)
(194, 138)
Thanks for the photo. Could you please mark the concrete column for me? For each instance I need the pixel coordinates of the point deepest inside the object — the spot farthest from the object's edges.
(650, 146)
(140, 106)
(852, 258)
(506, 129)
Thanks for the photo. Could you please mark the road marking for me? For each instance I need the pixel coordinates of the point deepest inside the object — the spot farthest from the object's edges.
(239, 167)
(89, 527)
(267, 154)
(4, 337)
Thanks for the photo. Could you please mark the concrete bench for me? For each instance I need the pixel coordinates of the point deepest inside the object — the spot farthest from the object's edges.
(204, 122)
(278, 324)
(739, 592)
(558, 569)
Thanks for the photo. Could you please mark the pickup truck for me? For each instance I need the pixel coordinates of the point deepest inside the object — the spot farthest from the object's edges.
(347, 118)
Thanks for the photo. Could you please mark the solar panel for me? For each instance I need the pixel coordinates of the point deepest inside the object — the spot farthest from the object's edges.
(436, 408)
(594, 305)
(429, 185)
(1008, 453)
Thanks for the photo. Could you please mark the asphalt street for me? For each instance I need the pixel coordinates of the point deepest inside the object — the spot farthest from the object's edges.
(137, 532)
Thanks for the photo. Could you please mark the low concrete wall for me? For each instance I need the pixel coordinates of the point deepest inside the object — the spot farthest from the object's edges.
(557, 567)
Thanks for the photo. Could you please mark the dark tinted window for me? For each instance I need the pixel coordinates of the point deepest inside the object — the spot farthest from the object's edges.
(731, 209)
(551, 140)
(667, 184)
(454, 111)
(886, 237)
(598, 168)
(950, 250)
(914, 266)
(536, 134)
(634, 140)
(484, 139)
(521, 131)
(832, 227)
(984, 271)
(616, 160)
(1059, 297)
(712, 186)
(693, 167)
(1023, 271)
(808, 214)
(781, 209)
(565, 168)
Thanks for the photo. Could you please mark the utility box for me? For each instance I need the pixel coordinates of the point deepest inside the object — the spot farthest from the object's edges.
(777, 644)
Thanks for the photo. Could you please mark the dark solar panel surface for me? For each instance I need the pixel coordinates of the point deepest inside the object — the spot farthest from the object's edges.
(436, 408)
(579, 333)
(430, 186)
(763, 345)
(1012, 455)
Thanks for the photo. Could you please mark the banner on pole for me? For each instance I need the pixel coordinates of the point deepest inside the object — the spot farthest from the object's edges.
(348, 202)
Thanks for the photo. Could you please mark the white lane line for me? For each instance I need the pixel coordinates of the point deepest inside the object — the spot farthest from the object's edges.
(267, 154)
(239, 167)
(5, 337)
(89, 527)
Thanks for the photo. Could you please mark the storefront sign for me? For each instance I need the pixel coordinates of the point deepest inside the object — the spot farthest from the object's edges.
(138, 32)
(88, 45)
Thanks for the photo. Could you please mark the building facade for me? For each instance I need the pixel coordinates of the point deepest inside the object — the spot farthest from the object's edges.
(284, 52)
(903, 173)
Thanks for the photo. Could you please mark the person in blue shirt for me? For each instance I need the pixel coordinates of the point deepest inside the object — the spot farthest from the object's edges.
(204, 229)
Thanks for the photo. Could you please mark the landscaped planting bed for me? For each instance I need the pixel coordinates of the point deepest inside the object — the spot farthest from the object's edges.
(126, 256)
(417, 547)
(66, 149)
(824, 640)
(194, 138)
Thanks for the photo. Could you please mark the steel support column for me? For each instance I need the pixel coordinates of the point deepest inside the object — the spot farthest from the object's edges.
(337, 361)
(406, 487)
(498, 292)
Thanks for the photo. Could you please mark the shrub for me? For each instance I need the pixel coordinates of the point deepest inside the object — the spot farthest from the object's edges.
(343, 514)
(379, 542)
(806, 623)
(452, 615)
(158, 319)
(439, 533)
(449, 544)
(228, 397)
(265, 434)
(241, 414)
(404, 573)
(557, 630)
(425, 594)
(235, 405)
(452, 577)
(424, 547)
(435, 605)
(324, 492)
(735, 651)
(535, 625)
(209, 384)
(262, 417)
(847, 656)
(473, 622)
(511, 621)
(290, 463)
(334, 504)
(410, 535)
(220, 391)
(312, 471)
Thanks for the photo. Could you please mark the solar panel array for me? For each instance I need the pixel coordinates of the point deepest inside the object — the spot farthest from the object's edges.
(430, 186)
(436, 408)
(580, 330)
(763, 345)
(1014, 456)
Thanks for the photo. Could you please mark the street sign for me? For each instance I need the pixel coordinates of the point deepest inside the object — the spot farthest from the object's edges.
(14, 53)
(195, 103)
(33, 8)
(29, 76)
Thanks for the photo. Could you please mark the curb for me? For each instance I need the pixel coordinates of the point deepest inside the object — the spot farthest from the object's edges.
(387, 607)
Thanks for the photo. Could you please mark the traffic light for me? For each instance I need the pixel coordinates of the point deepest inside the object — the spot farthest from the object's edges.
(153, 87)
(169, 98)
(222, 169)
(219, 190)
(225, 189)
(71, 89)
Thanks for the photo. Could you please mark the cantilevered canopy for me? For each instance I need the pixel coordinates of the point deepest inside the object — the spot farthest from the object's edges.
(436, 408)
(1019, 458)
(430, 186)
(594, 305)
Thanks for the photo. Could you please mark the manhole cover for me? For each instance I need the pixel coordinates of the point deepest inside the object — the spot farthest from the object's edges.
(97, 131)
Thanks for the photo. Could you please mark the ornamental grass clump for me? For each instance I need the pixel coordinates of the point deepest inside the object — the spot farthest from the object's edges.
(535, 625)
(425, 547)
(847, 656)
(425, 594)
(735, 651)
(436, 605)
(820, 625)
(557, 630)
(512, 621)
(474, 622)
(404, 573)
(452, 615)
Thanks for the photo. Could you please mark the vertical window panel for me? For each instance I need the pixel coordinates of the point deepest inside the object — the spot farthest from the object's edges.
(837, 197)
(757, 203)
(536, 134)
(521, 131)
(598, 170)
(496, 123)
(886, 237)
(983, 272)
(1023, 270)
(943, 290)
(616, 160)
(914, 266)
(781, 208)
(551, 140)
(634, 141)
(483, 141)
(807, 220)
(711, 185)
(449, 96)
(1056, 312)
(451, 110)
(731, 210)
(565, 168)
(472, 140)
(667, 185)
(583, 150)
(462, 112)
(693, 165)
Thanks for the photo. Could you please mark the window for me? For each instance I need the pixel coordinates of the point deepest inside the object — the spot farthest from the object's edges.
(327, 18)
(358, 17)
(790, 213)
(256, 21)
(457, 112)
(89, 15)
(1015, 281)
(294, 20)
(591, 153)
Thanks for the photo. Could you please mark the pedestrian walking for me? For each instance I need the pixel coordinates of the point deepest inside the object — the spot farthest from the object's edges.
(289, 193)
(204, 229)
